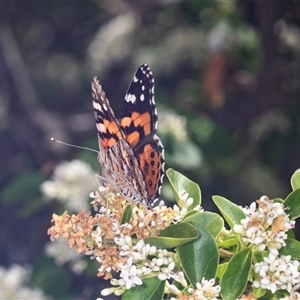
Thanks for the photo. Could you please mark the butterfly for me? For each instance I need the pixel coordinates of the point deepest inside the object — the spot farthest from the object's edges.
(131, 155)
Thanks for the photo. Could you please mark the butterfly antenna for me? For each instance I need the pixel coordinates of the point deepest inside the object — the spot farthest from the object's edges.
(71, 145)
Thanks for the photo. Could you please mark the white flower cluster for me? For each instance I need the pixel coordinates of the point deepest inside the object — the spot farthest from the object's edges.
(112, 42)
(138, 265)
(141, 259)
(12, 285)
(265, 225)
(278, 273)
(184, 203)
(170, 121)
(63, 254)
(206, 290)
(70, 184)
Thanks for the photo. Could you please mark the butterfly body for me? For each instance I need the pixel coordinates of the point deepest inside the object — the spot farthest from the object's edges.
(131, 155)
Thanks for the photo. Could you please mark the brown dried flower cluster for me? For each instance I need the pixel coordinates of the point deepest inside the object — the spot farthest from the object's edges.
(94, 235)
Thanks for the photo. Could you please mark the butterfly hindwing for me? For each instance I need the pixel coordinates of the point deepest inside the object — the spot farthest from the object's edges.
(151, 161)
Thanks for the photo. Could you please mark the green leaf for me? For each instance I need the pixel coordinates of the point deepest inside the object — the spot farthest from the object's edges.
(185, 155)
(191, 212)
(221, 269)
(259, 256)
(173, 236)
(293, 203)
(127, 214)
(295, 180)
(25, 211)
(278, 200)
(179, 183)
(234, 280)
(228, 243)
(210, 221)
(25, 186)
(200, 258)
(292, 248)
(151, 289)
(291, 234)
(230, 211)
(258, 292)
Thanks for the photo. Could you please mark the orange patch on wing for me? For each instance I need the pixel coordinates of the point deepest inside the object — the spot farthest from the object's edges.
(111, 142)
(143, 120)
(113, 128)
(104, 143)
(149, 162)
(133, 138)
(125, 122)
(107, 143)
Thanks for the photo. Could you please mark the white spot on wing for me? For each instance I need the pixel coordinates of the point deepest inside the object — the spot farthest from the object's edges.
(101, 127)
(142, 97)
(97, 106)
(143, 87)
(130, 98)
(135, 79)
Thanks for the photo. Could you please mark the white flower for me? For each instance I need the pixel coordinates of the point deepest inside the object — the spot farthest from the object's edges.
(183, 204)
(63, 254)
(265, 225)
(205, 290)
(169, 121)
(12, 285)
(131, 277)
(110, 42)
(171, 289)
(109, 291)
(276, 273)
(179, 277)
(166, 273)
(70, 184)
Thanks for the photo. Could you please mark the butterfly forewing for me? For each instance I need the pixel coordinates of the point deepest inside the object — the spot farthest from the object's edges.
(108, 126)
(139, 114)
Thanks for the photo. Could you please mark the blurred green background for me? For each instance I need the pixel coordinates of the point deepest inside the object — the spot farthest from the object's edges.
(227, 77)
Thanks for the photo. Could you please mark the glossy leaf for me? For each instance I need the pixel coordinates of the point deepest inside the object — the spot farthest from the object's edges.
(191, 212)
(25, 186)
(151, 289)
(199, 258)
(292, 248)
(295, 180)
(258, 292)
(173, 236)
(210, 221)
(127, 214)
(293, 203)
(221, 269)
(228, 243)
(180, 182)
(234, 280)
(230, 211)
(291, 234)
